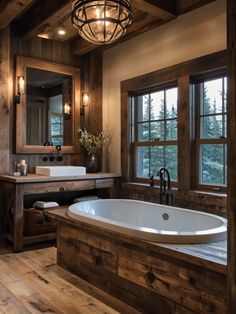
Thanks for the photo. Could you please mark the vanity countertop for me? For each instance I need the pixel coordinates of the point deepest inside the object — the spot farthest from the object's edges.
(34, 178)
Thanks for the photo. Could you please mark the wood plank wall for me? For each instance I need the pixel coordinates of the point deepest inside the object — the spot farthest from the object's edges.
(91, 69)
(5, 98)
(231, 269)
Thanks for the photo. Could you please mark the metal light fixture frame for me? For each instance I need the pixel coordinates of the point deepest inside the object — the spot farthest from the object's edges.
(87, 24)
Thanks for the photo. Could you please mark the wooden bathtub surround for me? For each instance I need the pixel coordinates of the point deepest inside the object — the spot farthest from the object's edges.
(147, 276)
(31, 282)
(15, 189)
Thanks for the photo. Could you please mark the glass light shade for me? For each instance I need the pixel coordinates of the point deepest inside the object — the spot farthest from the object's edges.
(21, 85)
(102, 22)
(85, 97)
(67, 108)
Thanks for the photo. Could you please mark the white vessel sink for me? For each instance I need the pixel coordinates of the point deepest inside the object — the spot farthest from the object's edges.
(54, 171)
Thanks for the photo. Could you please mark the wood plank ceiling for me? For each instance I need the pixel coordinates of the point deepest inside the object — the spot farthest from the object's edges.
(31, 18)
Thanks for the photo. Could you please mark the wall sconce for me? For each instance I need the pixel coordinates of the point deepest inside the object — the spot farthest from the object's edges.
(67, 111)
(20, 88)
(85, 102)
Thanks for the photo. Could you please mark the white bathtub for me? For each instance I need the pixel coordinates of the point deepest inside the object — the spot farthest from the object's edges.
(151, 222)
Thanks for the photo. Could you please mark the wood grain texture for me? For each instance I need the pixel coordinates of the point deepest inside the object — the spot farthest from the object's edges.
(9, 9)
(155, 8)
(184, 133)
(21, 122)
(210, 202)
(5, 99)
(15, 190)
(33, 20)
(184, 6)
(231, 26)
(128, 268)
(35, 178)
(31, 282)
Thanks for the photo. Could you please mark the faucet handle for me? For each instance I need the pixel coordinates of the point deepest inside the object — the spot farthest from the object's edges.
(151, 181)
(58, 148)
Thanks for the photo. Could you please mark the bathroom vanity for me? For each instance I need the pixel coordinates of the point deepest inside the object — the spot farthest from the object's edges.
(14, 190)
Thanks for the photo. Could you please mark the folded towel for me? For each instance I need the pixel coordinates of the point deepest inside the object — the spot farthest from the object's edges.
(42, 205)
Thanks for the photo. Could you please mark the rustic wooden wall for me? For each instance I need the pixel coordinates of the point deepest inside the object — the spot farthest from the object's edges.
(5, 98)
(91, 72)
(231, 270)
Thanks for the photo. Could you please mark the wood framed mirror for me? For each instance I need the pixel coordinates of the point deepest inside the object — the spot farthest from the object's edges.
(47, 106)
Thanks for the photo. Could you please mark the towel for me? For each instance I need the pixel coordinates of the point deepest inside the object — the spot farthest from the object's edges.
(42, 205)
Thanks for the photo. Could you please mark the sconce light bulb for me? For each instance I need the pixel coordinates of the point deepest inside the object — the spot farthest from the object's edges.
(21, 84)
(85, 99)
(67, 108)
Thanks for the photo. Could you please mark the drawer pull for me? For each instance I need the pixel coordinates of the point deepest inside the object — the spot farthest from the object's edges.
(62, 189)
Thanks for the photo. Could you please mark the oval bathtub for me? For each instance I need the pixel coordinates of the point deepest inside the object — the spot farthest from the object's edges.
(151, 222)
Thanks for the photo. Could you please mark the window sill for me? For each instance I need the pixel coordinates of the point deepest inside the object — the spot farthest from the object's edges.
(213, 193)
(144, 186)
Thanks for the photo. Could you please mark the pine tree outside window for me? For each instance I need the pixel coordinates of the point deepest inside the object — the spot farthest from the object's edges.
(211, 133)
(154, 133)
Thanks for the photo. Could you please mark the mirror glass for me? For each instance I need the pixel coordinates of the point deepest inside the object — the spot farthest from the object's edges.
(48, 107)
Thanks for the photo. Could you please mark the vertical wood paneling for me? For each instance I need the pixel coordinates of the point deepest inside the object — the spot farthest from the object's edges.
(95, 110)
(231, 27)
(184, 141)
(5, 98)
(126, 170)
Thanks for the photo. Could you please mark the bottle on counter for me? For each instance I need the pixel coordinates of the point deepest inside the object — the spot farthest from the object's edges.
(23, 168)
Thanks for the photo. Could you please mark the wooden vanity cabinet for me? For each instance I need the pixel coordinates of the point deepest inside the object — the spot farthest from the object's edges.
(15, 189)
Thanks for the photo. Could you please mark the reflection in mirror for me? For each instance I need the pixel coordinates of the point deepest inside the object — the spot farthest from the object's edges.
(48, 107)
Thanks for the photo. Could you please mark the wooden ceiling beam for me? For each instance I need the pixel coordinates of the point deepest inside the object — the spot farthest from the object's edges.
(184, 6)
(41, 16)
(9, 9)
(164, 10)
(142, 23)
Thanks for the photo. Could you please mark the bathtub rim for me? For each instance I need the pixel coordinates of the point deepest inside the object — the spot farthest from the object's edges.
(151, 234)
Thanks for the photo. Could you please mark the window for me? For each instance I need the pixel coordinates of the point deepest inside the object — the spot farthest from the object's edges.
(56, 128)
(154, 131)
(56, 120)
(211, 142)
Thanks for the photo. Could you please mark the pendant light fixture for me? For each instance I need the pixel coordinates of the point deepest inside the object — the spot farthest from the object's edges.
(101, 22)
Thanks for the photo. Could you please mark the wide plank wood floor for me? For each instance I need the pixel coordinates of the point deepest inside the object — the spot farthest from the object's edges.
(31, 282)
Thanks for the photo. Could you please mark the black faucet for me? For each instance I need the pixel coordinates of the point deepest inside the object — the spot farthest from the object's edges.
(151, 181)
(58, 149)
(165, 189)
(48, 143)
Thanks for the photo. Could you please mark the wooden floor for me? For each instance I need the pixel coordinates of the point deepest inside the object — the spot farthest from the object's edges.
(31, 282)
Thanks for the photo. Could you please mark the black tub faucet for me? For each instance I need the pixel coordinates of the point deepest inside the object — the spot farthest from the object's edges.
(165, 189)
(151, 181)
